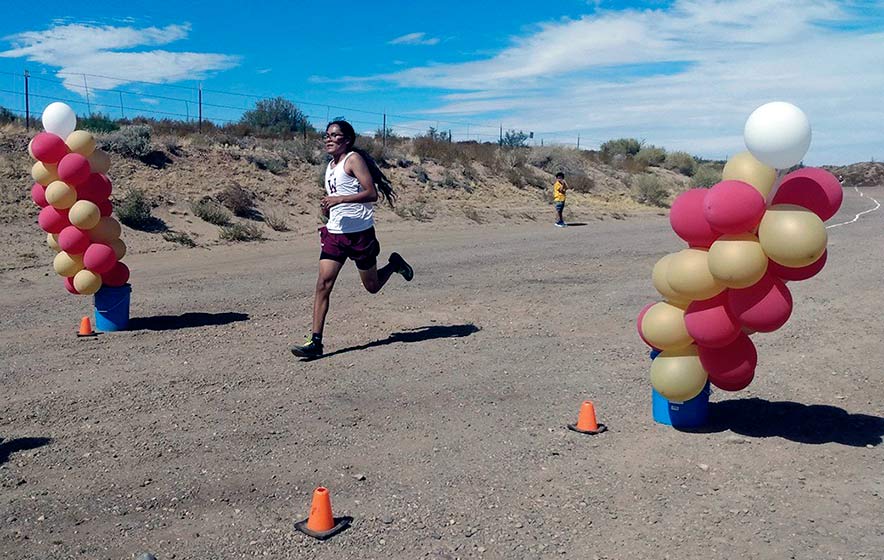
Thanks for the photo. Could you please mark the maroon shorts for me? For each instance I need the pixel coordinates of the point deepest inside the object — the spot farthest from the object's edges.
(362, 247)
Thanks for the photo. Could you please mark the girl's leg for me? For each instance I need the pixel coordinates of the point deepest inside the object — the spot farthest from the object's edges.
(373, 279)
(328, 273)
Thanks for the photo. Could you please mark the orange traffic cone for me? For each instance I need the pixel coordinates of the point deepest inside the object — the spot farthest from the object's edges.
(85, 328)
(321, 524)
(586, 422)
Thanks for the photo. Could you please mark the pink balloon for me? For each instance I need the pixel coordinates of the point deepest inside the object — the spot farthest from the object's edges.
(73, 240)
(711, 323)
(796, 274)
(763, 307)
(74, 169)
(733, 207)
(105, 207)
(638, 322)
(813, 188)
(688, 220)
(99, 258)
(117, 276)
(69, 285)
(730, 367)
(38, 195)
(48, 147)
(95, 189)
(53, 220)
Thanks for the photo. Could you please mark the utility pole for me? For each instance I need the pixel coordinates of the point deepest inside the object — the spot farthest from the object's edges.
(88, 105)
(385, 131)
(578, 140)
(27, 103)
(200, 125)
(501, 135)
(122, 113)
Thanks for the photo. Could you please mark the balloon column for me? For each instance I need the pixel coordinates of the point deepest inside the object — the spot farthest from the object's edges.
(73, 191)
(747, 237)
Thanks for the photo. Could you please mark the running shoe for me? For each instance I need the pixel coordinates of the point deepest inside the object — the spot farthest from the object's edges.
(402, 267)
(310, 349)
(560, 224)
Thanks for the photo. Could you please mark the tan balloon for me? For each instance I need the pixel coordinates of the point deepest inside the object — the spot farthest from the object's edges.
(792, 236)
(31, 149)
(663, 327)
(87, 282)
(81, 142)
(119, 248)
(61, 195)
(66, 264)
(44, 173)
(737, 261)
(99, 161)
(689, 275)
(661, 268)
(678, 374)
(107, 230)
(744, 167)
(84, 214)
(52, 241)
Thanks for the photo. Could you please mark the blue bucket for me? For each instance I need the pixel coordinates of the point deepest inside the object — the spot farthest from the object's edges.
(112, 308)
(688, 414)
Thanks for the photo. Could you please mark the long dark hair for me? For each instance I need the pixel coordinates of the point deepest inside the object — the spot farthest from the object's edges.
(381, 182)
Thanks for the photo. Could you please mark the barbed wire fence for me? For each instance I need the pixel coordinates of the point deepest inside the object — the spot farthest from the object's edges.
(25, 94)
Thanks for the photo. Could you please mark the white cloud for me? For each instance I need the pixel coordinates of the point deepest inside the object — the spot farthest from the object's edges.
(149, 100)
(685, 77)
(79, 48)
(414, 39)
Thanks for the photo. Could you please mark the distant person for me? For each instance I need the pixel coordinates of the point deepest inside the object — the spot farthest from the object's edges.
(559, 189)
(352, 182)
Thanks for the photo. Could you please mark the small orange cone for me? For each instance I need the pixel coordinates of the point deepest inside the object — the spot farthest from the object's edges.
(321, 524)
(85, 328)
(586, 422)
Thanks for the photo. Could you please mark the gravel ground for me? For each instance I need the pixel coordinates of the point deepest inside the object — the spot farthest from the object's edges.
(438, 420)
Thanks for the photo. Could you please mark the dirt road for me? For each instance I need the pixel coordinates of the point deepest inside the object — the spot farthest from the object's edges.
(437, 421)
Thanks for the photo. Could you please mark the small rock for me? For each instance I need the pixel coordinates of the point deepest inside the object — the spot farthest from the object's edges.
(359, 476)
(386, 519)
(145, 556)
(735, 439)
(703, 467)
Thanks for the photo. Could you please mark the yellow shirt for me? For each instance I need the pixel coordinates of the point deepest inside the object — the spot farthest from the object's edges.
(558, 192)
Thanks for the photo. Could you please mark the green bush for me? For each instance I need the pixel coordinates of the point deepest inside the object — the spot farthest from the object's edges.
(620, 147)
(514, 139)
(210, 211)
(706, 176)
(268, 162)
(179, 237)
(557, 159)
(276, 116)
(134, 210)
(97, 122)
(240, 232)
(682, 162)
(6, 116)
(647, 189)
(129, 141)
(651, 155)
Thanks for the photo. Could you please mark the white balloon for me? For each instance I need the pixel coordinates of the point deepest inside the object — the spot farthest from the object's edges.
(59, 119)
(778, 134)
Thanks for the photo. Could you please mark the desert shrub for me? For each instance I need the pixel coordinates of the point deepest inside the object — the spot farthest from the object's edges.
(240, 232)
(557, 159)
(647, 189)
(238, 200)
(276, 116)
(129, 141)
(267, 162)
(514, 139)
(97, 122)
(651, 155)
(421, 174)
(472, 213)
(133, 209)
(534, 179)
(276, 221)
(418, 210)
(515, 176)
(210, 211)
(6, 116)
(620, 146)
(440, 151)
(581, 183)
(706, 176)
(682, 162)
(179, 237)
(514, 157)
(485, 154)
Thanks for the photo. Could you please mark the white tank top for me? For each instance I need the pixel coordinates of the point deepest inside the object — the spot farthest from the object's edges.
(352, 216)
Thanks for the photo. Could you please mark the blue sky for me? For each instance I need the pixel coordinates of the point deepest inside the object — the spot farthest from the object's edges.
(681, 74)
